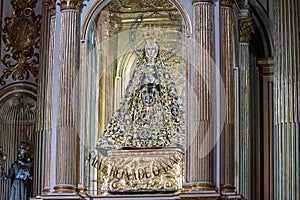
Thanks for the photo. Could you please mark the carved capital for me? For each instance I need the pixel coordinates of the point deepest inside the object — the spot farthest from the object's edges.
(240, 3)
(246, 27)
(227, 3)
(71, 4)
(51, 6)
(203, 1)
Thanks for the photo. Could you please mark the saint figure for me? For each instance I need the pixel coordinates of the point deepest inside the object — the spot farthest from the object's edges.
(20, 174)
(150, 114)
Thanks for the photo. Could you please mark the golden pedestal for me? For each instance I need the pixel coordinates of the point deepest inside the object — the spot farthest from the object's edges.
(143, 171)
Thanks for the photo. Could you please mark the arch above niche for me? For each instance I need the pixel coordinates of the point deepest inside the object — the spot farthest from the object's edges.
(91, 11)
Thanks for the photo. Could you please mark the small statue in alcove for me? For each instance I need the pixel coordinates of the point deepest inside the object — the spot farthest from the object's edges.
(20, 174)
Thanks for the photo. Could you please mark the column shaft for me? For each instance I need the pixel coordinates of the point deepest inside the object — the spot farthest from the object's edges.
(287, 102)
(244, 143)
(45, 85)
(202, 78)
(227, 137)
(67, 175)
(48, 134)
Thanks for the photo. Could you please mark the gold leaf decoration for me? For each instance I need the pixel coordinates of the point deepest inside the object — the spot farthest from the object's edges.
(21, 35)
(125, 6)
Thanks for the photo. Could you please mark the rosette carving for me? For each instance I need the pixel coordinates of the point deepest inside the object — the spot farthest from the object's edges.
(21, 35)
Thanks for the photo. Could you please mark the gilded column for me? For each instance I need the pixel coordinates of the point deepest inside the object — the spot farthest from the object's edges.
(244, 145)
(287, 100)
(45, 86)
(67, 174)
(227, 137)
(201, 165)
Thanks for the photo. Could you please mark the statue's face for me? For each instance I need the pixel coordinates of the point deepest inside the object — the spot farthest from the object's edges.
(151, 50)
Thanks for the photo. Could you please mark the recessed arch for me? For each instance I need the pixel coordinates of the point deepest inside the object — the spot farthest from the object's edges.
(96, 8)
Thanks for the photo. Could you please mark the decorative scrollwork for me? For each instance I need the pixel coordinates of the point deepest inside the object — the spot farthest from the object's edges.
(130, 171)
(124, 6)
(21, 36)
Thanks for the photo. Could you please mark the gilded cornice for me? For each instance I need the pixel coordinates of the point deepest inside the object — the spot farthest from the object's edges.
(71, 5)
(203, 1)
(245, 29)
(227, 3)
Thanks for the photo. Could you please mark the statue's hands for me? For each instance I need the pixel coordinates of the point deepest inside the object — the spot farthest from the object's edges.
(21, 162)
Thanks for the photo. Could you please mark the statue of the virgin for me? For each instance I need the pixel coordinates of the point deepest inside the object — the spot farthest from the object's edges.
(150, 114)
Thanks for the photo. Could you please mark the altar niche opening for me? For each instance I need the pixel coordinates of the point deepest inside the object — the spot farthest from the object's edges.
(135, 99)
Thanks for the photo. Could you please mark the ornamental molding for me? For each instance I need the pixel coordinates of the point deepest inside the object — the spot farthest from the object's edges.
(21, 36)
(130, 6)
(203, 1)
(71, 5)
(246, 28)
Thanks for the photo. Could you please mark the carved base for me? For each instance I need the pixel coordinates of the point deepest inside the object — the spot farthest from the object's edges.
(177, 195)
(64, 189)
(232, 197)
(143, 171)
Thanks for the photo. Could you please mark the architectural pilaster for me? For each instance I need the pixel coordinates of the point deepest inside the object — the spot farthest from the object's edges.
(201, 162)
(67, 150)
(286, 100)
(45, 86)
(267, 86)
(244, 142)
(227, 137)
(50, 67)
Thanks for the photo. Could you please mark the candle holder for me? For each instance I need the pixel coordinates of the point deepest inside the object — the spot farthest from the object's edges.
(2, 162)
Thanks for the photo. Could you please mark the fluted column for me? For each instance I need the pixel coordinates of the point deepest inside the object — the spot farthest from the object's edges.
(44, 99)
(201, 162)
(50, 67)
(227, 137)
(67, 152)
(244, 145)
(287, 98)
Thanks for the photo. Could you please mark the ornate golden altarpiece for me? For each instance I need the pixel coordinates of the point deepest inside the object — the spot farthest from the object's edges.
(143, 148)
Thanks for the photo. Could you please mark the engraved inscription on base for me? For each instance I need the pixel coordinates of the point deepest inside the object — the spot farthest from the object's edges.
(146, 170)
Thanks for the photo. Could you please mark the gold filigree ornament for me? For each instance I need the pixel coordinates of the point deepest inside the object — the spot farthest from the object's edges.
(21, 36)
